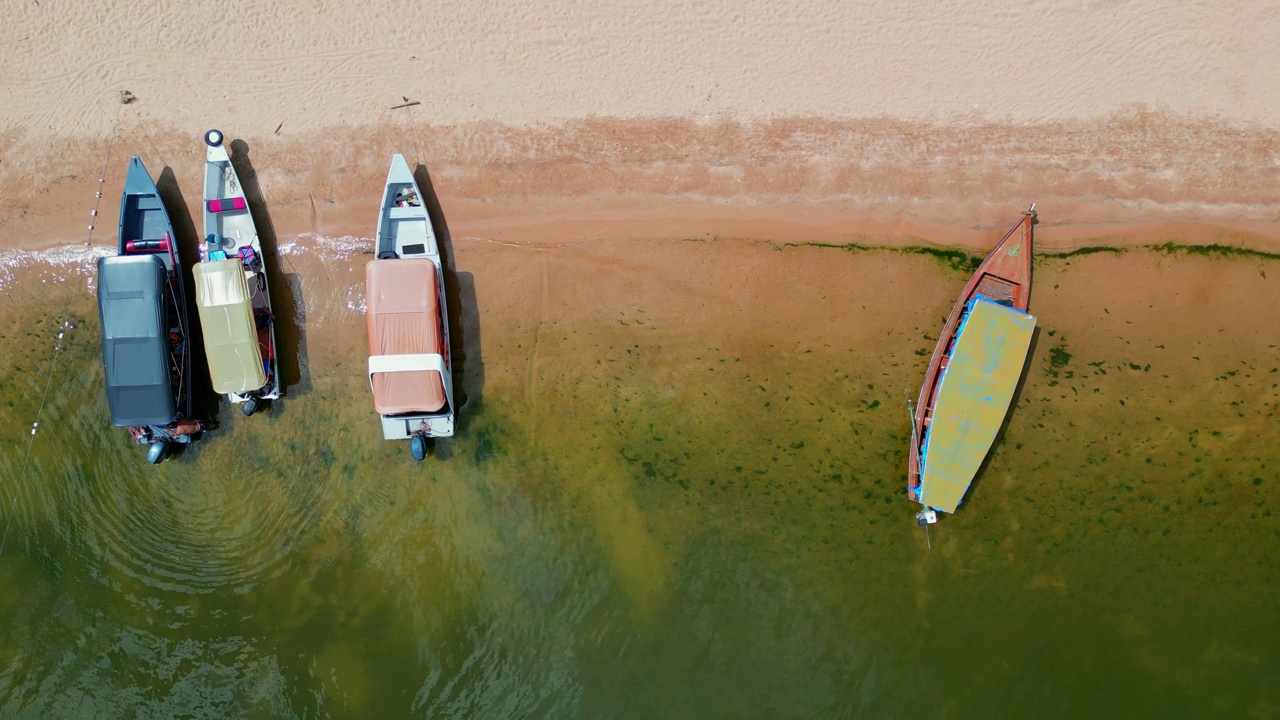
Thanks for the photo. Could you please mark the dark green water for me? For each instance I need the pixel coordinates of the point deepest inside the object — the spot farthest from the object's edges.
(677, 492)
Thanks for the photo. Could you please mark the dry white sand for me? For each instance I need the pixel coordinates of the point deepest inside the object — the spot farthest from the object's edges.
(950, 112)
(252, 64)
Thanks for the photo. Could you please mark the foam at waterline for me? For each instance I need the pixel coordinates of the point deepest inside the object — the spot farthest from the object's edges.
(327, 248)
(80, 259)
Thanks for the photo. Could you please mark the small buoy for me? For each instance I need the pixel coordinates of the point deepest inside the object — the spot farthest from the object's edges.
(90, 227)
(93, 212)
(213, 138)
(98, 194)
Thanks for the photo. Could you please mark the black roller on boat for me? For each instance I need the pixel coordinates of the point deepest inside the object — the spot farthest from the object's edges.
(418, 447)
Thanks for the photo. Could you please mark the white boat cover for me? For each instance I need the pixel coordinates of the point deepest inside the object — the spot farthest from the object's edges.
(403, 318)
(230, 336)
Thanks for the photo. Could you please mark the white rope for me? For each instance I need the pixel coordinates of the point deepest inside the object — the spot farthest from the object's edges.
(62, 329)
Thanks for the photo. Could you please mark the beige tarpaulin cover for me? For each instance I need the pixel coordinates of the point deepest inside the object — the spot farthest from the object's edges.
(403, 317)
(230, 336)
(973, 398)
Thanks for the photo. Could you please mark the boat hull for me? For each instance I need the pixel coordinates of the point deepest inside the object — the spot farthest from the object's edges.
(1004, 277)
(142, 309)
(410, 367)
(231, 234)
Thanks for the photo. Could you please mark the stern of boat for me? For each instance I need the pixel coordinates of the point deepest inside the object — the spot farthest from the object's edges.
(400, 427)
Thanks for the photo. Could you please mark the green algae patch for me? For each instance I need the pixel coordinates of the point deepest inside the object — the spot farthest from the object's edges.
(958, 260)
(1212, 250)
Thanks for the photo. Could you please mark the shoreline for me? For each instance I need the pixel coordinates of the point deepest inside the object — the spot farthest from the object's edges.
(918, 238)
(1105, 182)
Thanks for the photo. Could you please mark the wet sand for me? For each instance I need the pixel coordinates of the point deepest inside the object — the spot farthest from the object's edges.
(875, 182)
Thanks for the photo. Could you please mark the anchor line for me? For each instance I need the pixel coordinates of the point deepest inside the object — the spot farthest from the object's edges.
(413, 130)
(62, 329)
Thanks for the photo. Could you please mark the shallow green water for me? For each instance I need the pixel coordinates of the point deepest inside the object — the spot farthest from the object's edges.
(656, 509)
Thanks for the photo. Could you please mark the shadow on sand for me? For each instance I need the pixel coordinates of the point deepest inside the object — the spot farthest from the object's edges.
(287, 303)
(463, 316)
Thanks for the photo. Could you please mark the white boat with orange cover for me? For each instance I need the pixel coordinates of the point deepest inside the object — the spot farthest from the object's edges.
(410, 371)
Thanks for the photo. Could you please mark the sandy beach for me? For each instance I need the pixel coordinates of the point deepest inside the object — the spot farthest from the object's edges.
(677, 485)
(826, 122)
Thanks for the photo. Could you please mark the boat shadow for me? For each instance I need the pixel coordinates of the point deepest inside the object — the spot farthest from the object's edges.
(463, 313)
(288, 304)
(1008, 416)
(205, 402)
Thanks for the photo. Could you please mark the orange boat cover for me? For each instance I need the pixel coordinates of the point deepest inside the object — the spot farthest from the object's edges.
(403, 317)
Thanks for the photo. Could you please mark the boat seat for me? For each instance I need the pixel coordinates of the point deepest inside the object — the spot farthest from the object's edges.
(149, 202)
(400, 213)
(226, 204)
(143, 245)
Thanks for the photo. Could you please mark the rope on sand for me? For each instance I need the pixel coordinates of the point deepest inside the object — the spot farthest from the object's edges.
(64, 326)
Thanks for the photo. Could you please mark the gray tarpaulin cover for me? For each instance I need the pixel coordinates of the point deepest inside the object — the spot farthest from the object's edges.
(135, 339)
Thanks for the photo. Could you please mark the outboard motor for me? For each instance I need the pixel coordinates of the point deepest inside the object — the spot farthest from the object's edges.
(155, 453)
(927, 516)
(418, 447)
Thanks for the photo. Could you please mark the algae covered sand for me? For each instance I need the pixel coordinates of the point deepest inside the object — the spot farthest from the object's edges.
(677, 490)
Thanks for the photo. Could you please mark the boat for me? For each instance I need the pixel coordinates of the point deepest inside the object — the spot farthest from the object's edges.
(142, 307)
(410, 371)
(972, 376)
(231, 290)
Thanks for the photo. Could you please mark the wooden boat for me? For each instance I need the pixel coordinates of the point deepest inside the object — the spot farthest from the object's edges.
(231, 289)
(410, 371)
(142, 306)
(972, 376)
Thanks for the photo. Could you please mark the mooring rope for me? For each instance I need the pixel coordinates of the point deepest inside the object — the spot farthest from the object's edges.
(62, 330)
